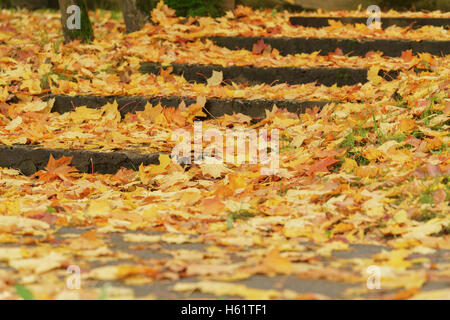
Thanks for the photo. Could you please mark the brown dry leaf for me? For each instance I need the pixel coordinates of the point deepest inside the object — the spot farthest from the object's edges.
(350, 174)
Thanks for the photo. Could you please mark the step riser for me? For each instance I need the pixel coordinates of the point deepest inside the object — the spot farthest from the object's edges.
(30, 160)
(253, 76)
(214, 107)
(352, 47)
(319, 22)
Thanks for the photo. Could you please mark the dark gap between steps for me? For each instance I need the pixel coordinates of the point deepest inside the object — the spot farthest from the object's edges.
(352, 47)
(318, 22)
(273, 75)
(30, 159)
(214, 107)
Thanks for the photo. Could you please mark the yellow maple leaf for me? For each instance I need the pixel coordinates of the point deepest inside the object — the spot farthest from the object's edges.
(214, 170)
(4, 94)
(164, 161)
(225, 288)
(406, 125)
(372, 75)
(143, 176)
(99, 208)
(110, 112)
(147, 172)
(154, 114)
(33, 86)
(349, 164)
(84, 113)
(276, 263)
(297, 228)
(14, 124)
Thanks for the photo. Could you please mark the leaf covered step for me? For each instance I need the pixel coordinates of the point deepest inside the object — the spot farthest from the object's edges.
(318, 22)
(352, 47)
(29, 160)
(252, 75)
(213, 107)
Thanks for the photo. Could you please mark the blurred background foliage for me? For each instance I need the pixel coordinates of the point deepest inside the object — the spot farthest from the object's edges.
(216, 8)
(443, 5)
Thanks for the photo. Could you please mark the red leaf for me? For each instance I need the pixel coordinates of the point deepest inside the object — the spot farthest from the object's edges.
(259, 47)
(434, 170)
(46, 217)
(274, 31)
(439, 196)
(407, 55)
(369, 54)
(337, 52)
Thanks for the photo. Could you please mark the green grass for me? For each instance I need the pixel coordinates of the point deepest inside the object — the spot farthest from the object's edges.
(442, 149)
(45, 79)
(283, 190)
(424, 216)
(57, 45)
(418, 134)
(238, 215)
(399, 137)
(426, 197)
(103, 292)
(380, 135)
(23, 292)
(43, 35)
(425, 116)
(350, 142)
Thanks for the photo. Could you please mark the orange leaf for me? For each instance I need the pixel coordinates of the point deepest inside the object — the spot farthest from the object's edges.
(322, 165)
(259, 47)
(166, 74)
(125, 175)
(406, 125)
(175, 116)
(60, 165)
(56, 169)
(407, 55)
(337, 52)
(428, 58)
(46, 217)
(212, 205)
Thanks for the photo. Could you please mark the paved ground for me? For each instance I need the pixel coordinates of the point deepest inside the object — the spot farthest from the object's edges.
(142, 254)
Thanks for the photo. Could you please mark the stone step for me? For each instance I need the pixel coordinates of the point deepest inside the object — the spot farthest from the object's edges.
(319, 22)
(254, 75)
(30, 159)
(352, 47)
(214, 107)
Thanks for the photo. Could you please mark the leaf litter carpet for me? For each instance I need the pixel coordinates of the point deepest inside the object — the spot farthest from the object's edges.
(362, 181)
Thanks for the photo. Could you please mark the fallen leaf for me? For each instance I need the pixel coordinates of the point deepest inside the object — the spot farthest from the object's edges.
(216, 78)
